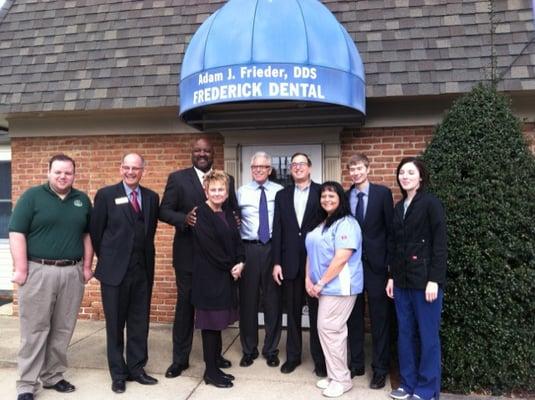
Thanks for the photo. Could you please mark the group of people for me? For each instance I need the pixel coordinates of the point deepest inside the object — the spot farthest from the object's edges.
(264, 243)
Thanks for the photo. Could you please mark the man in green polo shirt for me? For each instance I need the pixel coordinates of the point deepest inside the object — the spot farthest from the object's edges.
(52, 254)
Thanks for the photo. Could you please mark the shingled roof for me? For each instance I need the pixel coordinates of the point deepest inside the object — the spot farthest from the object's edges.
(61, 55)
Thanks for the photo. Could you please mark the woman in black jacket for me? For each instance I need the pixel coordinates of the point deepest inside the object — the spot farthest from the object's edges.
(218, 263)
(417, 266)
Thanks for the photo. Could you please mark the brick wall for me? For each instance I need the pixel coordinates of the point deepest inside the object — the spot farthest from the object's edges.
(97, 164)
(98, 159)
(385, 147)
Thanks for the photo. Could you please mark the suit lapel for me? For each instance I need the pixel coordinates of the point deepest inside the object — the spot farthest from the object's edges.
(145, 207)
(291, 205)
(310, 207)
(196, 185)
(371, 202)
(126, 207)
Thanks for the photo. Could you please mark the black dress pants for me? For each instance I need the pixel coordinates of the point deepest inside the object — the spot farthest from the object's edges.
(379, 306)
(127, 305)
(294, 295)
(184, 316)
(257, 278)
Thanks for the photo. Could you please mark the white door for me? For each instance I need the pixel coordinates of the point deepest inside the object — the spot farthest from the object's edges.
(280, 160)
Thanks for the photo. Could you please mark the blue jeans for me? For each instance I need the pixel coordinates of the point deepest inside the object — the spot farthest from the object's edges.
(419, 341)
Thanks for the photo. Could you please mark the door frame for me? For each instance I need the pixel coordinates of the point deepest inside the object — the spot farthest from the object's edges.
(327, 137)
(314, 151)
(328, 140)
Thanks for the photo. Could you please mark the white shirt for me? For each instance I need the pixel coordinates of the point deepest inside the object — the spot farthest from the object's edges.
(300, 202)
(353, 199)
(201, 174)
(249, 200)
(129, 194)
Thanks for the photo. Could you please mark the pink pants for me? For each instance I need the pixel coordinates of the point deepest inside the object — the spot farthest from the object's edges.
(333, 313)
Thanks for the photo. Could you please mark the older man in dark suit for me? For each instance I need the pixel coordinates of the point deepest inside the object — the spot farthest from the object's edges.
(122, 229)
(296, 212)
(183, 194)
(373, 208)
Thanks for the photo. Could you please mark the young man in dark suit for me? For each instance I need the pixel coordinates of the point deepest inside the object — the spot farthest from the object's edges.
(372, 206)
(296, 210)
(122, 228)
(183, 194)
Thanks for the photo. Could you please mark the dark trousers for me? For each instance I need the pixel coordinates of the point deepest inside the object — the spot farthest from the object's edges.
(257, 278)
(184, 315)
(127, 305)
(419, 341)
(294, 296)
(379, 306)
(293, 292)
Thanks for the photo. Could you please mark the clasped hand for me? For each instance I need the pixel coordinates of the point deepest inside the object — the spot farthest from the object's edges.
(236, 271)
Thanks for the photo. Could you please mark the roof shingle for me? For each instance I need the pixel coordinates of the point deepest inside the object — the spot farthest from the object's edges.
(71, 55)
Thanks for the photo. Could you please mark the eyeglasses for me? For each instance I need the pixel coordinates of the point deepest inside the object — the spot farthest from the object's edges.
(133, 169)
(298, 164)
(260, 166)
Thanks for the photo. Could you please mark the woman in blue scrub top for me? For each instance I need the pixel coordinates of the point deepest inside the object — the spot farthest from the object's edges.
(334, 276)
(417, 267)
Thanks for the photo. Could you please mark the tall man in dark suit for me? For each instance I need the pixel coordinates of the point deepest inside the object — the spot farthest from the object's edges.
(296, 214)
(183, 194)
(373, 208)
(122, 228)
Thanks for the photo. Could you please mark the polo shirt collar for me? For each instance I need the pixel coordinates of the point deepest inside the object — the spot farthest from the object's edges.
(48, 189)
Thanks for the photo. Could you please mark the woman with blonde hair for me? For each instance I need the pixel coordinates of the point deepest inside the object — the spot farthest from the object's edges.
(218, 263)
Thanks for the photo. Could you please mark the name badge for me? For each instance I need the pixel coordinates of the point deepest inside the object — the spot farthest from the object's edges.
(121, 200)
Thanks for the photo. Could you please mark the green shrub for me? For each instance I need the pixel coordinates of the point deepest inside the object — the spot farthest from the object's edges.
(484, 173)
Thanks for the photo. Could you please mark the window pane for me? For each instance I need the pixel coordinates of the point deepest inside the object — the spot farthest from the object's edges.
(5, 213)
(5, 180)
(281, 172)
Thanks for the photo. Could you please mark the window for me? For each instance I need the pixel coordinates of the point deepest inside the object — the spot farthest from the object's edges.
(281, 170)
(5, 197)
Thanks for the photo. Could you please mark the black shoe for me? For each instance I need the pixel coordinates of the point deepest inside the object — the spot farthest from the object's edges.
(272, 360)
(247, 360)
(175, 369)
(378, 381)
(220, 383)
(118, 386)
(356, 372)
(320, 371)
(144, 379)
(228, 377)
(289, 366)
(25, 396)
(61, 386)
(222, 362)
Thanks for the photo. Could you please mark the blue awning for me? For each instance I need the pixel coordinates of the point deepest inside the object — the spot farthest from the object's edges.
(280, 55)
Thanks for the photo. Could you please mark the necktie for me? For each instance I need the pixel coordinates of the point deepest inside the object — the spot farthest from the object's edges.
(359, 209)
(263, 226)
(133, 201)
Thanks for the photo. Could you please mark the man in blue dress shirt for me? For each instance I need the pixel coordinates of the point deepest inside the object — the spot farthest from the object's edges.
(257, 204)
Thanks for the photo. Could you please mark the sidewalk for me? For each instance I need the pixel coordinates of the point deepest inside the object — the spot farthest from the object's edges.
(88, 371)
